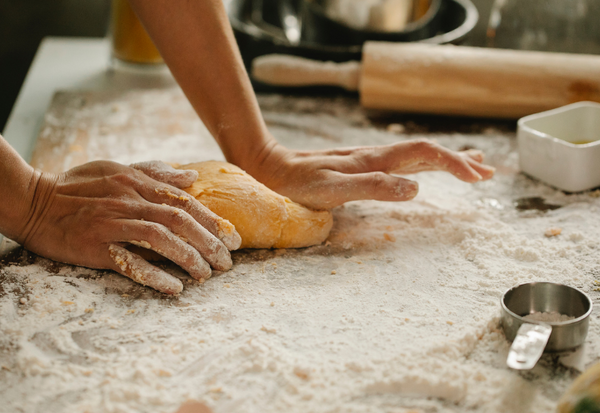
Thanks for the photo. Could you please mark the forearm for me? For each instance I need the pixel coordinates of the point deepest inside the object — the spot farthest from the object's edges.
(196, 41)
(18, 182)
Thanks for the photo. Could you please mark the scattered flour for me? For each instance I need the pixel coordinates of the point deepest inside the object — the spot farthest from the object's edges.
(397, 312)
(548, 317)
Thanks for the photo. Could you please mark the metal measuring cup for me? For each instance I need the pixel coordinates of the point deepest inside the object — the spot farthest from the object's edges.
(531, 338)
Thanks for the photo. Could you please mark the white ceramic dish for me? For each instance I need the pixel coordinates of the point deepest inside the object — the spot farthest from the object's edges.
(562, 146)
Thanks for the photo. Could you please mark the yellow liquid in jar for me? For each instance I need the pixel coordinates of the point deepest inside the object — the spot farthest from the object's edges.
(420, 8)
(130, 41)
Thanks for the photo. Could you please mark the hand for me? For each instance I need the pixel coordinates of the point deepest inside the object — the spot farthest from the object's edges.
(326, 179)
(89, 215)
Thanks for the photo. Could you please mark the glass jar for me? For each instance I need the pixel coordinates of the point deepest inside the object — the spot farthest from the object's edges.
(130, 41)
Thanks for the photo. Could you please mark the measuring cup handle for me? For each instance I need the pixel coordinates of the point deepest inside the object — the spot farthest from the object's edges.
(528, 346)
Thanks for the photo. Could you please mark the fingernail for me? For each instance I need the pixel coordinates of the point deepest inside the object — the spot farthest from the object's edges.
(201, 270)
(407, 189)
(222, 259)
(232, 241)
(414, 189)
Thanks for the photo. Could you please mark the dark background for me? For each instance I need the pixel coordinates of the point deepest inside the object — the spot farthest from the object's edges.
(23, 24)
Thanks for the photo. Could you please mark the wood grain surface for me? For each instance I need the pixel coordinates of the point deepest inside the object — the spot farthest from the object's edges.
(83, 126)
(472, 81)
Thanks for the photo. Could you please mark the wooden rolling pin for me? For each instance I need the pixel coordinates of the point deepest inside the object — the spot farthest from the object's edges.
(448, 80)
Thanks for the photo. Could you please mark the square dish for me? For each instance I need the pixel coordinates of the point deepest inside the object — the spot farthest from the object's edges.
(562, 146)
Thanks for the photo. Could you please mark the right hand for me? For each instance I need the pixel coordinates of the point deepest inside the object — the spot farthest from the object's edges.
(328, 178)
(89, 215)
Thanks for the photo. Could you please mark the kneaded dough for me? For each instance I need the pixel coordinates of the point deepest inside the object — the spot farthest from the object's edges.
(262, 217)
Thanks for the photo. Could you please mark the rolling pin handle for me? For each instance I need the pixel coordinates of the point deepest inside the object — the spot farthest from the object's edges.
(286, 70)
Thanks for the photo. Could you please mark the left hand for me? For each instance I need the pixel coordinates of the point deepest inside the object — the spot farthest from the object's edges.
(326, 179)
(91, 214)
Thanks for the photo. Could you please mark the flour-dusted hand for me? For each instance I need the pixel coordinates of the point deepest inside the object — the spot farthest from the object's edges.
(325, 179)
(89, 215)
(182, 179)
(166, 174)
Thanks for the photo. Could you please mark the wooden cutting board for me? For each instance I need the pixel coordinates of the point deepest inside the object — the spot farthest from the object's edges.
(127, 126)
(146, 124)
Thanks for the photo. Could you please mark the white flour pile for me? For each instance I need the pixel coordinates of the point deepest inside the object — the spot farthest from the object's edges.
(548, 317)
(396, 313)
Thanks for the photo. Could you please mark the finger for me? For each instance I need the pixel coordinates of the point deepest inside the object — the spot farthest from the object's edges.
(395, 158)
(429, 156)
(409, 157)
(189, 230)
(219, 227)
(165, 173)
(341, 188)
(474, 158)
(474, 154)
(133, 266)
(486, 171)
(472, 171)
(158, 238)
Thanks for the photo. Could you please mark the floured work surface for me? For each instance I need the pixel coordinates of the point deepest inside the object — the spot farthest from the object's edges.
(397, 312)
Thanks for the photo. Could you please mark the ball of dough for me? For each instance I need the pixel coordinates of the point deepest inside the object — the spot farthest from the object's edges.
(262, 217)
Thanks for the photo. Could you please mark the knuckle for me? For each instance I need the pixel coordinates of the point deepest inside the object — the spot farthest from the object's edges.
(180, 219)
(153, 231)
(143, 167)
(379, 178)
(425, 144)
(188, 253)
(216, 247)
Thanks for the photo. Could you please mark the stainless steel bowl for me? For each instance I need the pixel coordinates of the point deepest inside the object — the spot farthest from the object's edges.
(263, 32)
(530, 298)
(385, 16)
(322, 27)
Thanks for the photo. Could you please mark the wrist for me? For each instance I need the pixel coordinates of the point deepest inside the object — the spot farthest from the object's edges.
(18, 189)
(248, 151)
(17, 179)
(22, 191)
(270, 164)
(34, 206)
(29, 200)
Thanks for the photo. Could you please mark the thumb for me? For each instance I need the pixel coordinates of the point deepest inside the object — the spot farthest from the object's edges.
(373, 185)
(166, 174)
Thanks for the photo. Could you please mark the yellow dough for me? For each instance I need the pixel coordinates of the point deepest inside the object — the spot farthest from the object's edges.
(263, 218)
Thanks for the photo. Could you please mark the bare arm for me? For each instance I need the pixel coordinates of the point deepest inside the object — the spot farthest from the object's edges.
(197, 42)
